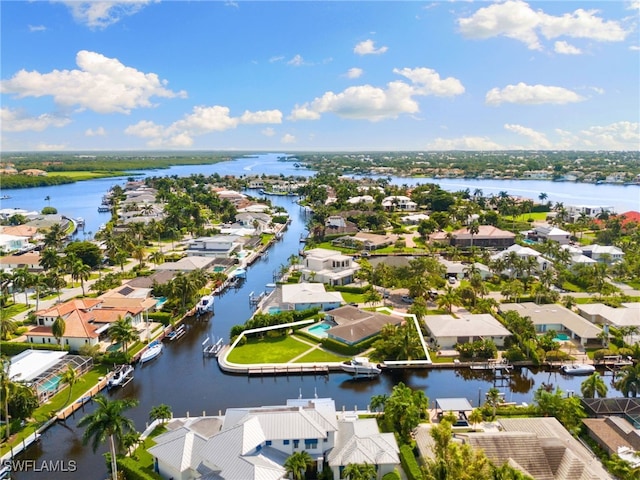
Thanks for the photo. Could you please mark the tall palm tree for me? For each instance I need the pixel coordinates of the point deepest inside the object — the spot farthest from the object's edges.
(23, 279)
(493, 399)
(473, 228)
(594, 385)
(57, 329)
(360, 471)
(121, 331)
(629, 380)
(108, 422)
(80, 271)
(297, 463)
(5, 390)
(69, 377)
(449, 299)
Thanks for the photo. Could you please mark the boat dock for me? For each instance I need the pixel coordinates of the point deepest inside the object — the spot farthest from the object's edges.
(290, 369)
(178, 333)
(213, 349)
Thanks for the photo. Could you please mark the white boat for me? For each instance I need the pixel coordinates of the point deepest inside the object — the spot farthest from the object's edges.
(205, 305)
(121, 375)
(578, 369)
(152, 352)
(361, 366)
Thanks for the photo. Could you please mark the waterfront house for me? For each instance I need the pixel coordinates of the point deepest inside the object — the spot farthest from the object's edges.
(255, 442)
(216, 246)
(302, 296)
(337, 224)
(352, 325)
(612, 432)
(360, 199)
(591, 211)
(79, 326)
(12, 243)
(328, 266)
(447, 330)
(188, 264)
(539, 447)
(608, 254)
(414, 219)
(558, 318)
(487, 236)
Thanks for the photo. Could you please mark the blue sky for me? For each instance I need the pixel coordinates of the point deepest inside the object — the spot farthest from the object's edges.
(329, 75)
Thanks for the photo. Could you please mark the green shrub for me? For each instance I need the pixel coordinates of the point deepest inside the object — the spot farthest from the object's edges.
(162, 317)
(133, 471)
(14, 348)
(557, 355)
(391, 475)
(116, 358)
(409, 463)
(342, 288)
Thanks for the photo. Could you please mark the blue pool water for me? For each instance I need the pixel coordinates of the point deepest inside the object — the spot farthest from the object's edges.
(561, 337)
(161, 301)
(273, 310)
(319, 330)
(51, 385)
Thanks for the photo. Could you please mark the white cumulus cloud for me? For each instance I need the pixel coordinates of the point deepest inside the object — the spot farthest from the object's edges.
(101, 84)
(200, 121)
(615, 136)
(101, 14)
(268, 132)
(288, 138)
(565, 48)
(524, 94)
(368, 102)
(368, 47)
(464, 143)
(20, 121)
(538, 139)
(354, 72)
(517, 20)
(98, 132)
(296, 61)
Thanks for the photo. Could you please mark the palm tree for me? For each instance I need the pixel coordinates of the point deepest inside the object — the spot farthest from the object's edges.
(493, 399)
(105, 422)
(161, 412)
(156, 257)
(360, 471)
(594, 385)
(121, 331)
(5, 390)
(476, 417)
(7, 325)
(473, 229)
(378, 401)
(57, 329)
(297, 463)
(449, 299)
(629, 380)
(69, 377)
(23, 279)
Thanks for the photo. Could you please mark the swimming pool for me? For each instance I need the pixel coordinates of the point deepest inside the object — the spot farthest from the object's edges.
(51, 385)
(274, 310)
(219, 269)
(561, 337)
(319, 330)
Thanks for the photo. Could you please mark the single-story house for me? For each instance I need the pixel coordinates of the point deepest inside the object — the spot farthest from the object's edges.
(556, 317)
(447, 330)
(29, 260)
(360, 199)
(461, 270)
(414, 219)
(627, 315)
(487, 236)
(328, 266)
(399, 202)
(613, 432)
(188, 264)
(523, 253)
(302, 296)
(216, 246)
(352, 325)
(366, 241)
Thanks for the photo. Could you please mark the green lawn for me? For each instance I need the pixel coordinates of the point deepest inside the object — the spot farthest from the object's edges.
(353, 297)
(318, 355)
(56, 403)
(525, 216)
(82, 175)
(12, 310)
(267, 350)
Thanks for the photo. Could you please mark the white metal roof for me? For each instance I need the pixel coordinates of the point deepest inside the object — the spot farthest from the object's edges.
(29, 364)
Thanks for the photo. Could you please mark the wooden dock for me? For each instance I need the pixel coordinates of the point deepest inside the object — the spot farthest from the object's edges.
(288, 369)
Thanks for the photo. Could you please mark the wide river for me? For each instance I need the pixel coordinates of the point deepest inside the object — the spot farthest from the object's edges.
(186, 381)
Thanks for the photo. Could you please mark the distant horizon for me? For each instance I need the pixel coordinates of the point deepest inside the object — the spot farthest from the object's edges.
(316, 76)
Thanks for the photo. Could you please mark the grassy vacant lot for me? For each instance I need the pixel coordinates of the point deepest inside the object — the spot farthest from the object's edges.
(83, 175)
(267, 350)
(318, 355)
(353, 297)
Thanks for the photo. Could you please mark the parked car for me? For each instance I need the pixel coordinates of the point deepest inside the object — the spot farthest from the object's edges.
(452, 280)
(407, 299)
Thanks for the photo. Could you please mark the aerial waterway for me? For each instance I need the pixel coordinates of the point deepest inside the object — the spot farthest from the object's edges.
(191, 383)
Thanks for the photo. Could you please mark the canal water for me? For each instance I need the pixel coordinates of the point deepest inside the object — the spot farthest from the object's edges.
(182, 378)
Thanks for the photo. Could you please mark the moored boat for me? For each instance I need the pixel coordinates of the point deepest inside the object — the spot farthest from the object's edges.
(361, 366)
(121, 376)
(205, 305)
(578, 369)
(177, 333)
(154, 349)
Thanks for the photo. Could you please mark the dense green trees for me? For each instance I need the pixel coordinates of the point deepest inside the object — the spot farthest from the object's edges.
(404, 409)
